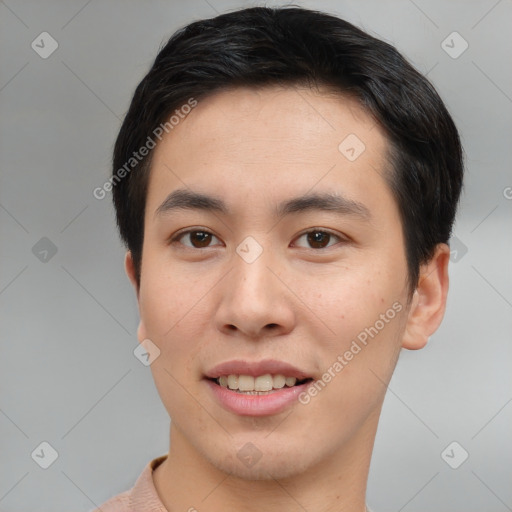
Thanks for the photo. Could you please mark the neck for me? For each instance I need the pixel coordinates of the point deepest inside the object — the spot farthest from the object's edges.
(187, 481)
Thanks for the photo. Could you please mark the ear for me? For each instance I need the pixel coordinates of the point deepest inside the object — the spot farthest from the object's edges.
(429, 300)
(129, 268)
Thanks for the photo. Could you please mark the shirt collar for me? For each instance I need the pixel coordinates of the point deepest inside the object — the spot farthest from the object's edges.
(143, 496)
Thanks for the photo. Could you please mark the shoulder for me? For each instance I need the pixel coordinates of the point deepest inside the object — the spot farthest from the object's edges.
(119, 503)
(142, 496)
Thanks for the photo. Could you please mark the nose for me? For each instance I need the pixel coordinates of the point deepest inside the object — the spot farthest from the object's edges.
(256, 302)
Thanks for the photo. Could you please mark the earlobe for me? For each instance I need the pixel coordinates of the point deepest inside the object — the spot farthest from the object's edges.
(429, 300)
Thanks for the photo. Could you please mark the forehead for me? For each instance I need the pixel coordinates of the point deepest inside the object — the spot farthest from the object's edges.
(269, 142)
(264, 115)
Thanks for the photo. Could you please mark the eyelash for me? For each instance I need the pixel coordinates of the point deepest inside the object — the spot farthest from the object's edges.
(176, 238)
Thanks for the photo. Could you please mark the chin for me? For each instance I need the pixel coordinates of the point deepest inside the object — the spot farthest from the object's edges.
(269, 462)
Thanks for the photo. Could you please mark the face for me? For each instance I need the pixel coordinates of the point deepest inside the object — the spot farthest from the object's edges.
(278, 298)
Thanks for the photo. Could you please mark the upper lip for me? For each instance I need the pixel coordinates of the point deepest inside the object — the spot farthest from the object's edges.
(256, 368)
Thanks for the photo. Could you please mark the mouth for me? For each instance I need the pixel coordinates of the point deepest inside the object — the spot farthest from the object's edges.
(259, 385)
(256, 388)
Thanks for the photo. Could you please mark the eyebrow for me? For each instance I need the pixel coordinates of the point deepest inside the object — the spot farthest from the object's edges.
(183, 199)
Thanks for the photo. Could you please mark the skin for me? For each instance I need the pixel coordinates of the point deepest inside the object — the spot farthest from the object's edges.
(300, 303)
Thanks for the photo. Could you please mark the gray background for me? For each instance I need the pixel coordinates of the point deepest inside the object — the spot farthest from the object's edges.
(68, 375)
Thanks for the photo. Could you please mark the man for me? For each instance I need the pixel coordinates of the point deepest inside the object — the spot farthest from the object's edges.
(286, 186)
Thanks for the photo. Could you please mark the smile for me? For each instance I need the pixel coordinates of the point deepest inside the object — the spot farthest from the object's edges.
(256, 388)
(261, 384)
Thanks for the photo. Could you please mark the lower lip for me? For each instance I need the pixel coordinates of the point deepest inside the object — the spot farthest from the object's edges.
(257, 405)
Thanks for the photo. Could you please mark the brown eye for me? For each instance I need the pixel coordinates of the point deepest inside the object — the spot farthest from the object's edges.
(200, 238)
(318, 239)
(197, 238)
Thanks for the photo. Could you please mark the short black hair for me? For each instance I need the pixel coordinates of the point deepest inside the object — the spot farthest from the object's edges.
(293, 46)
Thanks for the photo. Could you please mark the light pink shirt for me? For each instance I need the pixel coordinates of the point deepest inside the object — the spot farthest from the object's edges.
(142, 497)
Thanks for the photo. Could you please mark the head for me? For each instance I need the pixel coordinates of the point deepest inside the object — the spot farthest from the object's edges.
(241, 116)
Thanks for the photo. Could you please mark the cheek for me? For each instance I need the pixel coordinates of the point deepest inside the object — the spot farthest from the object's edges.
(363, 308)
(169, 311)
(358, 359)
(165, 293)
(349, 298)
(177, 311)
(170, 321)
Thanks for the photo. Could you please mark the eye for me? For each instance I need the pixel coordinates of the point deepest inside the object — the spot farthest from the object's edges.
(319, 239)
(198, 238)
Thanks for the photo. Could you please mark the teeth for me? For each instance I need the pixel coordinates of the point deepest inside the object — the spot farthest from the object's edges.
(263, 383)
(279, 381)
(248, 383)
(290, 381)
(232, 382)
